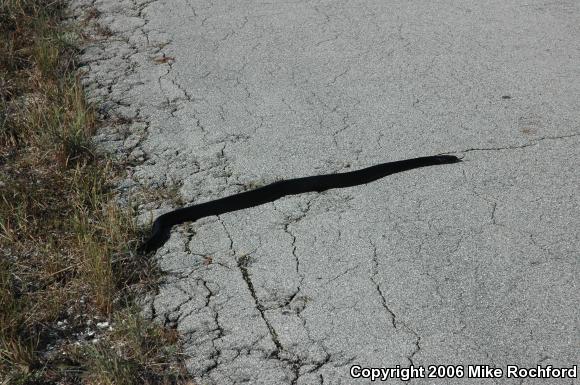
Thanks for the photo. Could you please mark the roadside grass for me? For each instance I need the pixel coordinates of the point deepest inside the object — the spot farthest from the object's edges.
(69, 271)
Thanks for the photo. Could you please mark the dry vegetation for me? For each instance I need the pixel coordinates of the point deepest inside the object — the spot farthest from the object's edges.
(68, 268)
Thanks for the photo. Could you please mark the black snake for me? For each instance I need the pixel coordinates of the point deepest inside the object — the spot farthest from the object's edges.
(162, 225)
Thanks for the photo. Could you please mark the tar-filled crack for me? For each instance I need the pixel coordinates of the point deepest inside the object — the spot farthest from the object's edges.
(533, 142)
(395, 322)
(231, 245)
(289, 221)
(215, 356)
(294, 363)
(243, 262)
(336, 77)
(297, 261)
(173, 315)
(327, 356)
(343, 273)
(417, 348)
(493, 210)
(374, 272)
(345, 126)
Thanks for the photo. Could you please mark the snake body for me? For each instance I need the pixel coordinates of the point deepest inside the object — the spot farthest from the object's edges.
(161, 228)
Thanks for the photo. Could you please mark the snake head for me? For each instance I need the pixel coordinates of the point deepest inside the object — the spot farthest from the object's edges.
(159, 235)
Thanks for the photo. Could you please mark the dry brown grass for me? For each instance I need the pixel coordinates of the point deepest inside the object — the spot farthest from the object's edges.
(67, 251)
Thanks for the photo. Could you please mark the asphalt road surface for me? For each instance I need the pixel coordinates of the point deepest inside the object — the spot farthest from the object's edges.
(465, 264)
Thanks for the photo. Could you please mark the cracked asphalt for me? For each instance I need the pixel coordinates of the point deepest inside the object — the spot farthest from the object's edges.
(471, 263)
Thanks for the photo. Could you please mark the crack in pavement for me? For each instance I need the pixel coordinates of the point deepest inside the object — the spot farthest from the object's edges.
(394, 320)
(243, 266)
(513, 147)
